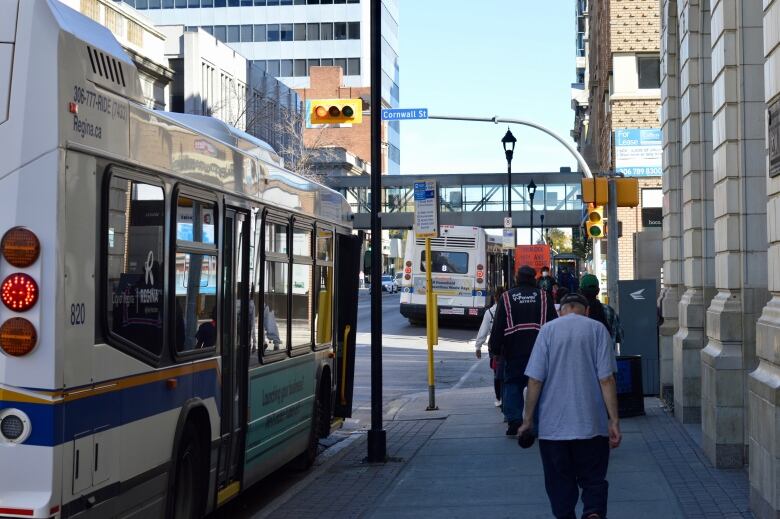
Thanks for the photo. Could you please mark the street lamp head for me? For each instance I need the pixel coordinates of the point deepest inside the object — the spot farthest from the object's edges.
(531, 189)
(509, 144)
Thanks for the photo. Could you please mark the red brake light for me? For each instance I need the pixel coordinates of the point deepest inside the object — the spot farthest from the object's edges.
(18, 337)
(480, 267)
(20, 247)
(19, 292)
(407, 277)
(408, 263)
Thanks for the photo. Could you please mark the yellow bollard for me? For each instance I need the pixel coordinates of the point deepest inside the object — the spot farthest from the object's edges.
(432, 323)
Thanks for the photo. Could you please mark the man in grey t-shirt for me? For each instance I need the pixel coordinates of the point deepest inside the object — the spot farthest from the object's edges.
(573, 359)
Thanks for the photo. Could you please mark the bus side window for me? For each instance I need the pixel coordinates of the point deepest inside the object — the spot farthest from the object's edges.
(276, 288)
(135, 247)
(196, 275)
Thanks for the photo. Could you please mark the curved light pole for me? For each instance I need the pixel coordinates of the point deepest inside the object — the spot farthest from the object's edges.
(576, 154)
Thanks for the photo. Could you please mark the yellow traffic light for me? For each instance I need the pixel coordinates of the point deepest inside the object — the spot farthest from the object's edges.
(594, 223)
(336, 111)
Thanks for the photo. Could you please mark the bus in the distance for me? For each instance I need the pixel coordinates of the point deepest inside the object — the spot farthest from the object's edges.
(466, 267)
(174, 303)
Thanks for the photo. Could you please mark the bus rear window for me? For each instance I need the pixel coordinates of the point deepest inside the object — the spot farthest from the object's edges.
(447, 262)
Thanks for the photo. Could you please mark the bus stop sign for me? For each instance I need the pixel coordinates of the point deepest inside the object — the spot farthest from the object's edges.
(426, 209)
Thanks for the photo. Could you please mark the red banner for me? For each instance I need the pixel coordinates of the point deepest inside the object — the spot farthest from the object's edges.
(536, 256)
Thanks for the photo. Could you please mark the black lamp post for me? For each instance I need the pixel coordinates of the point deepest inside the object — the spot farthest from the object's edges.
(509, 150)
(531, 192)
(541, 217)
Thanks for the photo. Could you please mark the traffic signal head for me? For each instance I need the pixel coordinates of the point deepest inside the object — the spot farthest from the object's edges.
(594, 223)
(335, 111)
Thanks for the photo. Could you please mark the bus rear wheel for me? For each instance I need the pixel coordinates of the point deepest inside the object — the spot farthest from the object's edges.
(306, 459)
(187, 497)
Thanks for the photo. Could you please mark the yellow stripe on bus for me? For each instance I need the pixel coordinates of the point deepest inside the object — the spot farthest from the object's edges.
(228, 493)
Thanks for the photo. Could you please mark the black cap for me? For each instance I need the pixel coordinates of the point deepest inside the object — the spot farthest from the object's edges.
(574, 298)
(526, 271)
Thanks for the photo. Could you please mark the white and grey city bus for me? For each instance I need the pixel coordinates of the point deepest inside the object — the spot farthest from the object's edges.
(466, 268)
(173, 300)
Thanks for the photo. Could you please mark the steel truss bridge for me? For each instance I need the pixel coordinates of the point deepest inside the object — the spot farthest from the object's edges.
(476, 199)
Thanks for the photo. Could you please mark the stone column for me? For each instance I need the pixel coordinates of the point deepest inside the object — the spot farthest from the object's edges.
(696, 143)
(672, 288)
(764, 382)
(740, 226)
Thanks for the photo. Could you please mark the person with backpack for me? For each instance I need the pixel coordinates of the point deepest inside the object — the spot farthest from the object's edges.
(520, 314)
(605, 314)
(482, 335)
(547, 281)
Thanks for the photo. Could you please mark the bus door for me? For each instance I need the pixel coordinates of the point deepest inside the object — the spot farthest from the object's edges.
(348, 261)
(236, 314)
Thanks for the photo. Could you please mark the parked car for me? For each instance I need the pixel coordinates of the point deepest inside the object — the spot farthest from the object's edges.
(388, 284)
(399, 276)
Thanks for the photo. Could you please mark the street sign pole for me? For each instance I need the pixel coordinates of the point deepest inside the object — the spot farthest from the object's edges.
(377, 436)
(426, 225)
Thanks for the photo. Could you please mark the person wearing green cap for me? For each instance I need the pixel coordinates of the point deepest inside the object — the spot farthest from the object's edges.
(605, 314)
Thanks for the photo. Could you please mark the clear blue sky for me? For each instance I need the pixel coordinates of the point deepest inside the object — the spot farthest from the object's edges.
(511, 58)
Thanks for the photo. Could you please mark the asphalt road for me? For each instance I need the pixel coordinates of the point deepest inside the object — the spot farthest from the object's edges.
(405, 372)
(405, 358)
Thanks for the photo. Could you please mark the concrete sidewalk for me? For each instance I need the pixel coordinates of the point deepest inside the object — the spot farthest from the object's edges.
(457, 462)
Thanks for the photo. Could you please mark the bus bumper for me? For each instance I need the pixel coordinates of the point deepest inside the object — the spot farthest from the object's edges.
(417, 312)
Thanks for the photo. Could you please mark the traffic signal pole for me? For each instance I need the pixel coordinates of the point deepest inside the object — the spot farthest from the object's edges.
(377, 437)
(613, 269)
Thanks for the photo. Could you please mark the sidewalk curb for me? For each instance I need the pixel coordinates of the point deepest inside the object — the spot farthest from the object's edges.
(329, 458)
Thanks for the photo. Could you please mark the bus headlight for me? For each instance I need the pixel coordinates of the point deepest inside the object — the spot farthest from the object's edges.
(14, 426)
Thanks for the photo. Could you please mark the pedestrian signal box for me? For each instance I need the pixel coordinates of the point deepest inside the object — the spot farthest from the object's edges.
(336, 111)
(627, 191)
(594, 223)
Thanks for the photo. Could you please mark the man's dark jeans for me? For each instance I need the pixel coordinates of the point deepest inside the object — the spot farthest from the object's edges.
(514, 383)
(569, 464)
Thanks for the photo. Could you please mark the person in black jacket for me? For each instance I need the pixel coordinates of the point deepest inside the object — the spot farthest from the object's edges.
(520, 314)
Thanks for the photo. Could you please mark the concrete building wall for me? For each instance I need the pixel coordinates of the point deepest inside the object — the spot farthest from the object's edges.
(672, 287)
(764, 382)
(697, 192)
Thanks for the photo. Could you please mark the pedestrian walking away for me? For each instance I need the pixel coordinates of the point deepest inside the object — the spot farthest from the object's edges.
(603, 313)
(578, 409)
(520, 314)
(482, 335)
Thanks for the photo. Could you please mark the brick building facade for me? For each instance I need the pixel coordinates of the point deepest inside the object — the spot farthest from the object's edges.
(622, 40)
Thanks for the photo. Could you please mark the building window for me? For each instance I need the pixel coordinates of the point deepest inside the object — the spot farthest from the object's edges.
(273, 32)
(233, 34)
(207, 3)
(181, 4)
(193, 3)
(135, 33)
(341, 62)
(353, 30)
(311, 63)
(232, 3)
(313, 31)
(259, 2)
(287, 68)
(274, 67)
(286, 32)
(353, 67)
(326, 62)
(649, 69)
(326, 31)
(300, 68)
(246, 33)
(259, 33)
(220, 32)
(300, 32)
(340, 31)
(246, 3)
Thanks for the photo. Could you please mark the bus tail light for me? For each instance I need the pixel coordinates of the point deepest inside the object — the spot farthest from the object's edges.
(20, 247)
(407, 277)
(19, 292)
(409, 264)
(17, 337)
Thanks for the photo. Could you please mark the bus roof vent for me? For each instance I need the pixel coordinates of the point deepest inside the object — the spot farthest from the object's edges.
(106, 66)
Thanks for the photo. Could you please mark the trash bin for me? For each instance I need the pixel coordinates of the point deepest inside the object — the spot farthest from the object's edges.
(631, 400)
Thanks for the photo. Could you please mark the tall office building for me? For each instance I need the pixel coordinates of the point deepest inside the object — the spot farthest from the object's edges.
(288, 37)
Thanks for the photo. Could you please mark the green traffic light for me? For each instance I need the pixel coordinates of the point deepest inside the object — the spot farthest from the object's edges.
(347, 111)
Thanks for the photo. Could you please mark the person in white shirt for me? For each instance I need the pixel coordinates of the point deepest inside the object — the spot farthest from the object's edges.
(482, 337)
